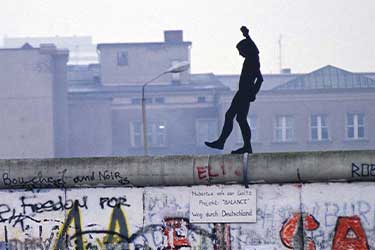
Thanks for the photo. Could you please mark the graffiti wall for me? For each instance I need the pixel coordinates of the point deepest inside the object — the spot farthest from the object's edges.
(310, 216)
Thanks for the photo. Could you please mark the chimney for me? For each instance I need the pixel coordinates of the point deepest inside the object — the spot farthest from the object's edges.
(286, 71)
(47, 48)
(173, 36)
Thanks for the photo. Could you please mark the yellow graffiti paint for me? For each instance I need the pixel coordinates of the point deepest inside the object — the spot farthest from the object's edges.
(74, 216)
(118, 225)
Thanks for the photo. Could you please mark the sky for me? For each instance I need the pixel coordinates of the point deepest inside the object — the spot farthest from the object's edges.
(314, 33)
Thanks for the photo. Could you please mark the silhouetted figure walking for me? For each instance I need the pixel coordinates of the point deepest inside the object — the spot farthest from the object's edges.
(250, 82)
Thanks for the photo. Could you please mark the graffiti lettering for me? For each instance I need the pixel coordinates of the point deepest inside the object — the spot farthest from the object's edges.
(109, 175)
(158, 218)
(51, 205)
(113, 202)
(84, 178)
(363, 170)
(102, 176)
(118, 223)
(206, 172)
(293, 234)
(349, 234)
(14, 218)
(222, 236)
(74, 216)
(30, 244)
(36, 181)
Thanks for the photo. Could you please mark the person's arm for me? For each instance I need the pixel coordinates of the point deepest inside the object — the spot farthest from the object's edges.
(258, 83)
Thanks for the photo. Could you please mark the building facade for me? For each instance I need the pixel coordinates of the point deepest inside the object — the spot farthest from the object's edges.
(33, 102)
(82, 50)
(327, 109)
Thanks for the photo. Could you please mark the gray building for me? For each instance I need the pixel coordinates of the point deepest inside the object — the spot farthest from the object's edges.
(82, 50)
(33, 102)
(327, 109)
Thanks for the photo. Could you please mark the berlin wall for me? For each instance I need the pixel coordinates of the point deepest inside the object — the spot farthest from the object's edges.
(63, 205)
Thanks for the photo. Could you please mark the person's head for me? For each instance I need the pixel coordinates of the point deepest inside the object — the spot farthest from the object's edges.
(245, 31)
(244, 47)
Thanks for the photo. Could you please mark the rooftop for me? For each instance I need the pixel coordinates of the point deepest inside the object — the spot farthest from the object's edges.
(328, 77)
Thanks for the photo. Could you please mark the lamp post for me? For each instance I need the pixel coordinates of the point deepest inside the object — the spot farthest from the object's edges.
(177, 68)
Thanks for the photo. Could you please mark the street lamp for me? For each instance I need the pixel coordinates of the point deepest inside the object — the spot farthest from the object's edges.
(177, 68)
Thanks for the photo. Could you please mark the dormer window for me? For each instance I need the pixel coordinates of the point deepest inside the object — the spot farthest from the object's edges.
(201, 99)
(122, 58)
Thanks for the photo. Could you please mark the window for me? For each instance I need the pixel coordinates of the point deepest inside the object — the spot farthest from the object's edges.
(319, 127)
(159, 100)
(206, 130)
(355, 126)
(122, 58)
(159, 137)
(252, 120)
(136, 134)
(201, 99)
(136, 100)
(284, 128)
(139, 100)
(156, 134)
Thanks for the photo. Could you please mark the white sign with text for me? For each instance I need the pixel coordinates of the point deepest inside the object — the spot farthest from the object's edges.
(222, 205)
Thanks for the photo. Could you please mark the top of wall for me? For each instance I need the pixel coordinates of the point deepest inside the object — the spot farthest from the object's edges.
(189, 170)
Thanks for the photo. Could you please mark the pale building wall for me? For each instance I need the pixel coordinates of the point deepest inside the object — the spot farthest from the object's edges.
(81, 48)
(32, 119)
(335, 105)
(90, 127)
(145, 61)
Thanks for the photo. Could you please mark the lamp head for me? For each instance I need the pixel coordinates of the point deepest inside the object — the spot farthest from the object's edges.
(179, 67)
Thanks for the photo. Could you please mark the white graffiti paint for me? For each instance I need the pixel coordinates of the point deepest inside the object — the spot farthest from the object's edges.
(158, 218)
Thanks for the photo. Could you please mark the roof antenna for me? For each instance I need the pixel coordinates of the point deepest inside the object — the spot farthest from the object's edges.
(280, 54)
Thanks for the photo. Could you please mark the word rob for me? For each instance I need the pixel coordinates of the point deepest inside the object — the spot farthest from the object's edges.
(349, 233)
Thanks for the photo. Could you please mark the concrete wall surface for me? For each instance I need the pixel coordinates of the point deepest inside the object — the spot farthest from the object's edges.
(326, 216)
(98, 203)
(188, 170)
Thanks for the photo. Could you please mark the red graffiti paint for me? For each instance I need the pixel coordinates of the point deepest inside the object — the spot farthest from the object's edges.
(238, 172)
(310, 223)
(211, 173)
(222, 237)
(289, 230)
(349, 234)
(175, 233)
(223, 169)
(202, 172)
(290, 234)
(207, 172)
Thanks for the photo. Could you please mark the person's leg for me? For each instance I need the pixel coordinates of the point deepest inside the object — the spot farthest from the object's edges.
(244, 126)
(228, 124)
